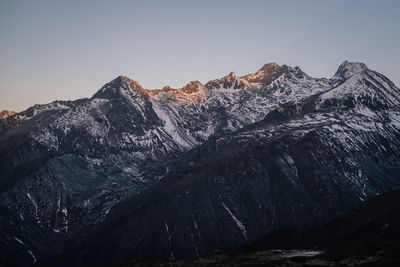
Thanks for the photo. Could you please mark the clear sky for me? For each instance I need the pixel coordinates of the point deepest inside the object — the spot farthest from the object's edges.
(62, 50)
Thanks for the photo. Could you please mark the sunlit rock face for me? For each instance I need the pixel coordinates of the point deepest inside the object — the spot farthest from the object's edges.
(218, 164)
(6, 113)
(265, 75)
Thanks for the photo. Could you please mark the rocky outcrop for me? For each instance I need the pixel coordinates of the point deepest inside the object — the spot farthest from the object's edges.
(6, 113)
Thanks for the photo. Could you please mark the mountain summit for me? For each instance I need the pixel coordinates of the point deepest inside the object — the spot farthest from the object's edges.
(6, 113)
(347, 69)
(120, 86)
(265, 75)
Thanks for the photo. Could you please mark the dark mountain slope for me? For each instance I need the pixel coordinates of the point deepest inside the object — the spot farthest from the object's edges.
(367, 235)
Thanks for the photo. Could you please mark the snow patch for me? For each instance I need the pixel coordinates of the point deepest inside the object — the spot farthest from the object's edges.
(169, 241)
(34, 204)
(238, 223)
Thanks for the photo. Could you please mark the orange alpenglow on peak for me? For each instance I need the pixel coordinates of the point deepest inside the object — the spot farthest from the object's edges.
(231, 75)
(267, 73)
(191, 87)
(131, 83)
(167, 88)
(6, 113)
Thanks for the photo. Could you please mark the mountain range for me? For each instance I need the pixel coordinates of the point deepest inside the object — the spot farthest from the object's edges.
(179, 173)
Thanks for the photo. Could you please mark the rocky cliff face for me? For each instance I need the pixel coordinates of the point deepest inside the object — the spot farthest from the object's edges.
(178, 173)
(6, 113)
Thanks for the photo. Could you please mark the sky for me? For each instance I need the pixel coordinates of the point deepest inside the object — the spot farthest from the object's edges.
(65, 50)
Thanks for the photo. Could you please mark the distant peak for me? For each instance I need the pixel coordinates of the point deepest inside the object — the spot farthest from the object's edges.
(231, 75)
(191, 87)
(270, 67)
(195, 83)
(167, 88)
(347, 69)
(266, 74)
(132, 84)
(228, 81)
(117, 86)
(6, 113)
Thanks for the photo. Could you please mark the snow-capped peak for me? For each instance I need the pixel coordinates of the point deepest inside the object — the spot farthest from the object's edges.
(230, 81)
(118, 86)
(266, 74)
(347, 69)
(132, 84)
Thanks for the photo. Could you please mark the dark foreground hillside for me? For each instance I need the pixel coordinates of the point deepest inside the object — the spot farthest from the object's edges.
(368, 235)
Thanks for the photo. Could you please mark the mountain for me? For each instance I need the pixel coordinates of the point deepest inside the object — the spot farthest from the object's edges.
(6, 113)
(177, 173)
(303, 164)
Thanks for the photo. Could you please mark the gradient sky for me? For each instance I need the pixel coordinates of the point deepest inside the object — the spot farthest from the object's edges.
(62, 50)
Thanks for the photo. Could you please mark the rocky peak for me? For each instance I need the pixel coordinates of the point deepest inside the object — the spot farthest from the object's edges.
(128, 84)
(265, 75)
(269, 68)
(191, 87)
(118, 86)
(294, 71)
(230, 76)
(347, 69)
(229, 81)
(6, 113)
(133, 85)
(167, 88)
